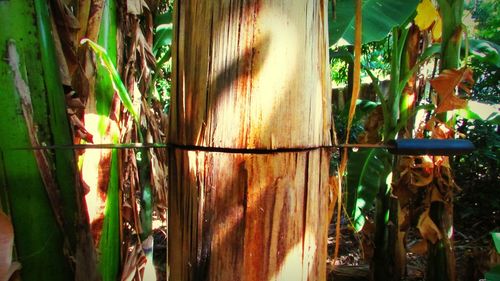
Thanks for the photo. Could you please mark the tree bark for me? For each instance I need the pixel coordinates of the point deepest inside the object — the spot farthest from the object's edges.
(250, 116)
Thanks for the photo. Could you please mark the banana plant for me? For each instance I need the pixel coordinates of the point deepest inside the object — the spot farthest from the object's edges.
(379, 18)
(41, 188)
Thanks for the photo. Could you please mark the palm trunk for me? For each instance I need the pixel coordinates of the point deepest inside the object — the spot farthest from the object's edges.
(250, 111)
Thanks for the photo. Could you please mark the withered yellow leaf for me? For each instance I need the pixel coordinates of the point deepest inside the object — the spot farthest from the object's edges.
(428, 228)
(437, 29)
(426, 15)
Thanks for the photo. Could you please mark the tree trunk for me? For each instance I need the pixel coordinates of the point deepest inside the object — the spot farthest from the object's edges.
(250, 113)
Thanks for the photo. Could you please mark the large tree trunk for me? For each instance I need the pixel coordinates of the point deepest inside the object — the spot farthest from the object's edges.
(250, 114)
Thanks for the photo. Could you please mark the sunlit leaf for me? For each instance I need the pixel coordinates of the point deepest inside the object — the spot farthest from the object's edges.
(109, 243)
(445, 85)
(115, 77)
(437, 29)
(427, 17)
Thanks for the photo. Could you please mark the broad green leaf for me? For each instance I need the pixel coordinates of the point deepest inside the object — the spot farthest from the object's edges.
(379, 17)
(430, 51)
(164, 18)
(107, 39)
(367, 170)
(109, 244)
(485, 51)
(363, 109)
(343, 55)
(115, 77)
(163, 31)
(163, 36)
(164, 58)
(496, 240)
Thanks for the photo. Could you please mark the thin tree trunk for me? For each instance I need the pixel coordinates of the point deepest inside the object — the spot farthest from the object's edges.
(249, 77)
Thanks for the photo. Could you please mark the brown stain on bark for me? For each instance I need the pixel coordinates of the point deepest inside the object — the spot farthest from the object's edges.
(233, 216)
(248, 221)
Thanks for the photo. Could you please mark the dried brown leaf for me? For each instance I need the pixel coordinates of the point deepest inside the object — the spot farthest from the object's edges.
(94, 21)
(134, 263)
(428, 229)
(445, 86)
(7, 267)
(64, 15)
(136, 7)
(419, 248)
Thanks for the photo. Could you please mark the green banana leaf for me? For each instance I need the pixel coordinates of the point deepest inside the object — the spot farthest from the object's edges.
(117, 82)
(485, 51)
(104, 87)
(39, 239)
(164, 35)
(109, 244)
(107, 82)
(367, 170)
(379, 17)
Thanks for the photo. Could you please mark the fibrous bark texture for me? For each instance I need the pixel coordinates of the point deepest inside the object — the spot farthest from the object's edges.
(249, 75)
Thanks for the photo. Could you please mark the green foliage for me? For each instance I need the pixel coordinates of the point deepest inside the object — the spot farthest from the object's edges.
(485, 51)
(379, 17)
(376, 57)
(479, 171)
(104, 88)
(487, 16)
(367, 171)
(115, 77)
(109, 244)
(39, 241)
(162, 50)
(363, 109)
(340, 58)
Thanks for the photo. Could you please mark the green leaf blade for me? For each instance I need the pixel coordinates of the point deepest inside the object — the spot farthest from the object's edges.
(115, 77)
(367, 171)
(379, 17)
